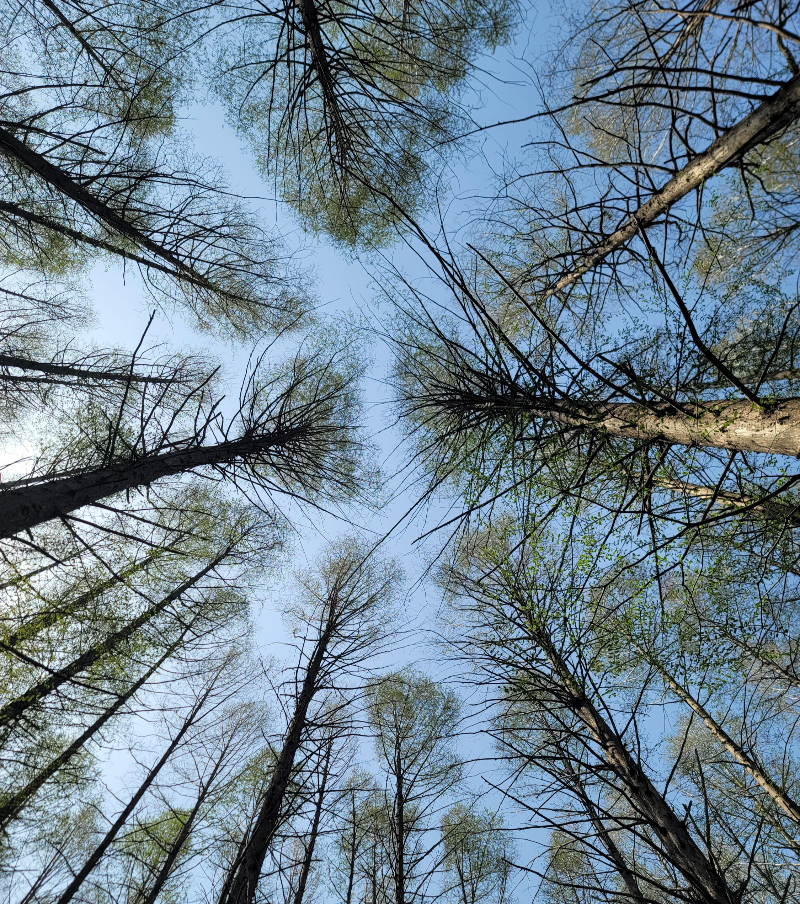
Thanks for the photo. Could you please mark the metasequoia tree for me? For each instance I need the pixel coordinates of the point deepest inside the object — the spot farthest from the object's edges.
(294, 433)
(347, 106)
(413, 721)
(92, 165)
(532, 634)
(337, 612)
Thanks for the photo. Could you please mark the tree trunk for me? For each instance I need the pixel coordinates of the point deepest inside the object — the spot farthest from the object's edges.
(771, 509)
(12, 806)
(399, 830)
(54, 176)
(614, 854)
(29, 504)
(97, 854)
(737, 425)
(182, 837)
(308, 859)
(678, 845)
(242, 880)
(44, 620)
(758, 127)
(776, 795)
(20, 705)
(48, 372)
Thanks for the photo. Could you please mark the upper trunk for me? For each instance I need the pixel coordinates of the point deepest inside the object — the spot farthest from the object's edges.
(769, 118)
(240, 885)
(677, 843)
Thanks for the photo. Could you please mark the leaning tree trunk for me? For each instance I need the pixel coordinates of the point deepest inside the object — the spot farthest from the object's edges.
(758, 127)
(44, 620)
(58, 677)
(15, 803)
(736, 425)
(770, 509)
(63, 183)
(778, 796)
(243, 875)
(121, 820)
(26, 503)
(45, 372)
(313, 834)
(677, 843)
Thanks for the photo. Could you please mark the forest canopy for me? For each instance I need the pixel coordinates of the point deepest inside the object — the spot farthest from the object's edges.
(400, 411)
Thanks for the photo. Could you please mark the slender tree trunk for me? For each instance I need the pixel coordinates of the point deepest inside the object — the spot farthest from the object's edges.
(773, 791)
(242, 880)
(24, 506)
(614, 854)
(758, 127)
(773, 510)
(183, 836)
(399, 829)
(20, 705)
(352, 865)
(45, 371)
(677, 843)
(308, 859)
(44, 620)
(12, 806)
(63, 183)
(122, 819)
(319, 57)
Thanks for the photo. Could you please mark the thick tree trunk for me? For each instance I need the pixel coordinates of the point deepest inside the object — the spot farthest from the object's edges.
(737, 425)
(780, 798)
(26, 505)
(121, 820)
(758, 127)
(20, 705)
(12, 806)
(240, 885)
(677, 843)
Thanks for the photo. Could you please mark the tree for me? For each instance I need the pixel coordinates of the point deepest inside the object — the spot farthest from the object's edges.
(337, 613)
(348, 107)
(413, 721)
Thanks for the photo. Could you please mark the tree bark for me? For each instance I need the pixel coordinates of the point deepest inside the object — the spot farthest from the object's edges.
(20, 705)
(23, 507)
(49, 371)
(758, 127)
(736, 425)
(97, 854)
